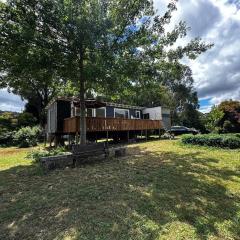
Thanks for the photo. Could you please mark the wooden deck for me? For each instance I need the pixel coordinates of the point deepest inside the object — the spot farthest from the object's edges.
(72, 125)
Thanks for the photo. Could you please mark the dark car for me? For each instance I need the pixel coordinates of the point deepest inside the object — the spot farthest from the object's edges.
(178, 130)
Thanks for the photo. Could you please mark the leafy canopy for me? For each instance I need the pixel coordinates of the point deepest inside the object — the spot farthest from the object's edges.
(113, 48)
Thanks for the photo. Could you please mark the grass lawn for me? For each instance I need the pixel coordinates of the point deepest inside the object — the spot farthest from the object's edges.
(161, 190)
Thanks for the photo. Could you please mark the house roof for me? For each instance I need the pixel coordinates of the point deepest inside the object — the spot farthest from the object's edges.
(93, 103)
(118, 105)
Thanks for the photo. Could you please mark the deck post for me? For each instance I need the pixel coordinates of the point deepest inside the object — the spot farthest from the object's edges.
(128, 136)
(159, 133)
(146, 133)
(76, 138)
(107, 138)
(141, 134)
(69, 139)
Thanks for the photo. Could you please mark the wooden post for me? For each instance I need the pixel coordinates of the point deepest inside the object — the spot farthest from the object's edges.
(69, 139)
(146, 132)
(76, 138)
(50, 143)
(107, 138)
(128, 136)
(141, 134)
(159, 133)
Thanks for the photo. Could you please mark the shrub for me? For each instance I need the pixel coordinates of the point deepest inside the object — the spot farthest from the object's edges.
(37, 154)
(214, 140)
(6, 137)
(27, 136)
(26, 119)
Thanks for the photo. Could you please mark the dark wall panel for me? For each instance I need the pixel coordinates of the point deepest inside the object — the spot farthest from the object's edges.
(63, 111)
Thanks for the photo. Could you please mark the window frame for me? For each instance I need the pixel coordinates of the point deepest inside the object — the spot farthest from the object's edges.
(95, 112)
(124, 109)
(138, 111)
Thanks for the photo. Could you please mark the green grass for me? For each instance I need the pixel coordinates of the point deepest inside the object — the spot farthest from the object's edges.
(161, 190)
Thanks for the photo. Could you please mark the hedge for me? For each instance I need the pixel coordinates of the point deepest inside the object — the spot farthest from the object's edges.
(214, 140)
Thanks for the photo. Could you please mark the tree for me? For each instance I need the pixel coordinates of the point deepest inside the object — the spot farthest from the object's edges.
(231, 120)
(28, 59)
(26, 119)
(99, 46)
(213, 119)
(8, 121)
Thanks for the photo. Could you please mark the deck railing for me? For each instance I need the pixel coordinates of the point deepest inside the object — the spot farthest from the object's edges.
(97, 124)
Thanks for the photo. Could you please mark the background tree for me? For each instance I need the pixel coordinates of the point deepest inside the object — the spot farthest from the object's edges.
(26, 119)
(28, 59)
(231, 120)
(214, 119)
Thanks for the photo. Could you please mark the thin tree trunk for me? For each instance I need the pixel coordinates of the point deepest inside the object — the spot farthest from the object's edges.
(83, 128)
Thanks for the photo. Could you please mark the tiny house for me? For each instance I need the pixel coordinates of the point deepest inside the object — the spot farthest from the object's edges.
(103, 118)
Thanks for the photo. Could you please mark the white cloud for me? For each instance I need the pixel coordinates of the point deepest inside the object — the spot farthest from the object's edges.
(205, 109)
(216, 72)
(10, 102)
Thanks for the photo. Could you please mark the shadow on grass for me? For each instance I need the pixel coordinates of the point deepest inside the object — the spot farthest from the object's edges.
(137, 197)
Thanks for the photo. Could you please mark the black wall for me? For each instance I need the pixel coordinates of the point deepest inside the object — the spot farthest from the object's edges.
(63, 111)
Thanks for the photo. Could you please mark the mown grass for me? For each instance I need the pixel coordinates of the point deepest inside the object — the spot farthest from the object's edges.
(161, 190)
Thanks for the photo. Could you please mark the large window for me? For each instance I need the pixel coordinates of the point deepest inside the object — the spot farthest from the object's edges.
(100, 112)
(121, 113)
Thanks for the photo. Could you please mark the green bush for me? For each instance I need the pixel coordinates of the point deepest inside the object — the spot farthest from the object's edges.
(6, 137)
(214, 140)
(26, 119)
(27, 136)
(37, 154)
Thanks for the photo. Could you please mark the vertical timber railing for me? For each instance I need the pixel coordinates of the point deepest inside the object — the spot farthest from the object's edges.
(72, 125)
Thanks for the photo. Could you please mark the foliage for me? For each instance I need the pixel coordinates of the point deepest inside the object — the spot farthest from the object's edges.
(27, 136)
(8, 121)
(224, 118)
(214, 140)
(101, 46)
(6, 137)
(231, 119)
(37, 154)
(26, 119)
(27, 59)
(213, 120)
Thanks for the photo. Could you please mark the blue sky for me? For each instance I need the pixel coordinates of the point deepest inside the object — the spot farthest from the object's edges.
(216, 72)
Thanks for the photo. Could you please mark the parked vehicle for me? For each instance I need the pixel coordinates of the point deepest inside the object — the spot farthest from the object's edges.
(178, 130)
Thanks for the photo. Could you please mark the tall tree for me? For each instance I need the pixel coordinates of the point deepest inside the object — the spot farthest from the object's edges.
(231, 120)
(98, 45)
(28, 59)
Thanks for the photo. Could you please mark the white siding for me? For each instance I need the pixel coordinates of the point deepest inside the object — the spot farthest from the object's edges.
(52, 118)
(155, 113)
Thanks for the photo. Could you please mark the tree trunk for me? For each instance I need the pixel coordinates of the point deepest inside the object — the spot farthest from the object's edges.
(83, 128)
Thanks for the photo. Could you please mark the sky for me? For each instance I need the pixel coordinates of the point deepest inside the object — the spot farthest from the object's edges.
(216, 72)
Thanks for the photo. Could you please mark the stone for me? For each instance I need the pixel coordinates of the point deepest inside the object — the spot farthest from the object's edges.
(54, 162)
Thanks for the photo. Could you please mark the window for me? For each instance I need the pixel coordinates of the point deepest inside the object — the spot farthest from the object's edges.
(138, 115)
(146, 116)
(100, 112)
(121, 113)
(77, 111)
(90, 112)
